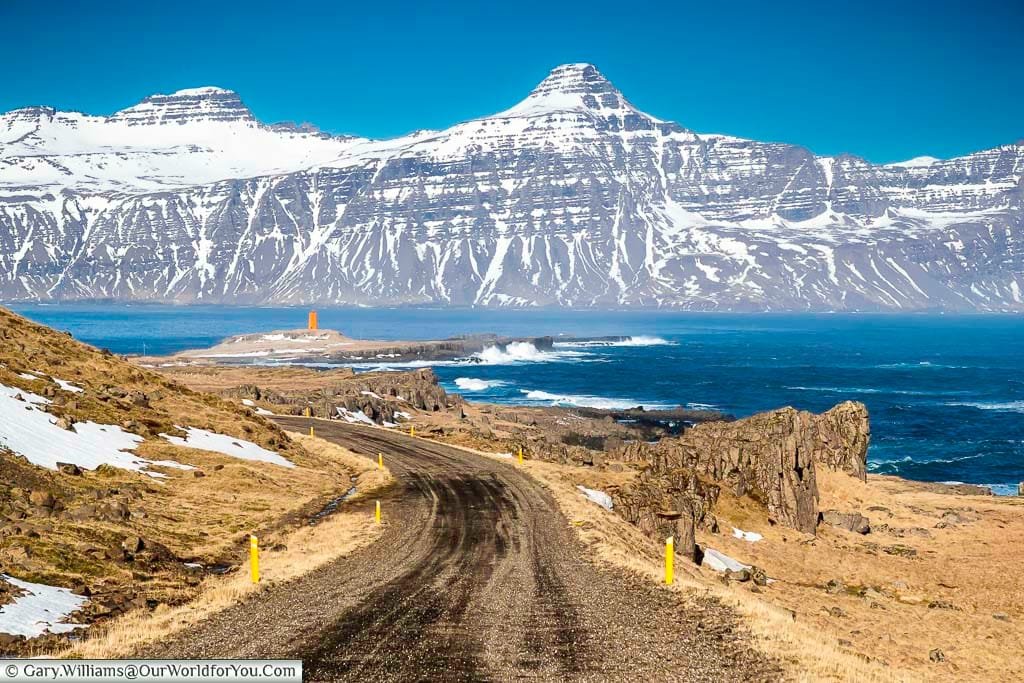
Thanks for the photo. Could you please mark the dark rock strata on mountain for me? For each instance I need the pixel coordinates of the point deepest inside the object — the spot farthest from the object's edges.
(573, 197)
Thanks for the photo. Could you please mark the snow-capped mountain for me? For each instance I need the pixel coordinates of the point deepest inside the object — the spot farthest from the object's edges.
(572, 197)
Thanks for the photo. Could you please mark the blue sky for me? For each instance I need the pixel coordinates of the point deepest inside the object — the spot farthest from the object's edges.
(883, 80)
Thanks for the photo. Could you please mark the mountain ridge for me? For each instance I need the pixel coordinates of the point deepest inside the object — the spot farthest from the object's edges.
(571, 197)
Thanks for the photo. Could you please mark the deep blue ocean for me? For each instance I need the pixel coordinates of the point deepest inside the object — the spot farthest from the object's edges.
(945, 393)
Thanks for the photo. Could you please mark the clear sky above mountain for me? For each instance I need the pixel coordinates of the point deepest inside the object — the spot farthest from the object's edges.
(884, 80)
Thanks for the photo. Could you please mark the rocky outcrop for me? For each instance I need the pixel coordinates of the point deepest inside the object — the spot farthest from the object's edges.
(851, 521)
(381, 396)
(770, 457)
(840, 439)
(674, 503)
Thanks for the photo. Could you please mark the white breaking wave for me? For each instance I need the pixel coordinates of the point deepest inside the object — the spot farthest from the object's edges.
(587, 401)
(522, 352)
(638, 340)
(513, 354)
(872, 390)
(921, 364)
(1003, 406)
(475, 384)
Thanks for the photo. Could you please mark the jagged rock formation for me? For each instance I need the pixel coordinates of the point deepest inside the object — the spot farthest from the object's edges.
(380, 396)
(573, 197)
(840, 438)
(771, 457)
(673, 503)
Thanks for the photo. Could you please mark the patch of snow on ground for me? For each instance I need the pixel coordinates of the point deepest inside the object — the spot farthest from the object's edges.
(354, 416)
(40, 609)
(27, 375)
(27, 430)
(721, 562)
(402, 414)
(599, 497)
(226, 445)
(751, 536)
(252, 404)
(371, 394)
(67, 386)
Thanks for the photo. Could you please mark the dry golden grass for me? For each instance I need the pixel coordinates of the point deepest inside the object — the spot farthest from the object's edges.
(306, 549)
(943, 598)
(807, 651)
(279, 378)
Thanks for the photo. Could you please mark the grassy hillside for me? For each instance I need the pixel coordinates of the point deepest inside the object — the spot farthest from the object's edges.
(125, 537)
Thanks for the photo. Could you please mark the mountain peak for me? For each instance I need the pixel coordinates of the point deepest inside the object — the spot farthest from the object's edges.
(580, 78)
(207, 103)
(576, 87)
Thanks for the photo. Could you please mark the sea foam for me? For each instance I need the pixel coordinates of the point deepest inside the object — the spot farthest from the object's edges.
(588, 401)
(1002, 406)
(637, 340)
(476, 384)
(522, 352)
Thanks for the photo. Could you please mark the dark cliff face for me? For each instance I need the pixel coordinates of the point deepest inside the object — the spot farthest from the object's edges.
(771, 457)
(573, 197)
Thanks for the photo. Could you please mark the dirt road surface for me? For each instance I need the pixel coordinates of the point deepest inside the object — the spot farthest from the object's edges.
(478, 577)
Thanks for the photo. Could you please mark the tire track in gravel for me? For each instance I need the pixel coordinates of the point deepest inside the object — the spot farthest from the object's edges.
(476, 577)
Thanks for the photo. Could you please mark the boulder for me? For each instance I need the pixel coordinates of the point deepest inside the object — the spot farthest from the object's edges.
(851, 521)
(82, 513)
(8, 639)
(69, 469)
(42, 499)
(132, 545)
(115, 511)
(674, 503)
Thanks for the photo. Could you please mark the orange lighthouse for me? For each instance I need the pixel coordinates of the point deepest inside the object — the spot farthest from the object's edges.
(312, 320)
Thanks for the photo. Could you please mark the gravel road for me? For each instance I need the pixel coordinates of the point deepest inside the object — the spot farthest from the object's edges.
(477, 577)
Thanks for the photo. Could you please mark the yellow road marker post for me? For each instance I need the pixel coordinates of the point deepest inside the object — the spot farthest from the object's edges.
(412, 430)
(670, 554)
(254, 559)
(311, 432)
(380, 461)
(377, 513)
(520, 455)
